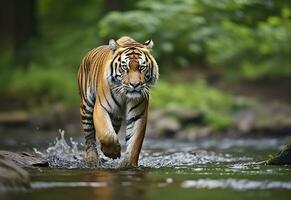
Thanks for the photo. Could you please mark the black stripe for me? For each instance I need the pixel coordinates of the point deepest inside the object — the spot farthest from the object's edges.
(90, 136)
(89, 129)
(150, 64)
(111, 67)
(126, 51)
(133, 119)
(112, 64)
(109, 113)
(83, 107)
(128, 137)
(117, 73)
(84, 117)
(114, 99)
(88, 115)
(90, 104)
(89, 123)
(106, 99)
(147, 59)
(91, 99)
(139, 52)
(86, 111)
(135, 106)
(90, 141)
(127, 54)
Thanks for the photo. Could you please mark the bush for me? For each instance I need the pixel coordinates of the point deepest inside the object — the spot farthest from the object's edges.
(216, 105)
(38, 87)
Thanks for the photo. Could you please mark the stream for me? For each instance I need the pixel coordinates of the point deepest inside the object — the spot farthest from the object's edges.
(169, 169)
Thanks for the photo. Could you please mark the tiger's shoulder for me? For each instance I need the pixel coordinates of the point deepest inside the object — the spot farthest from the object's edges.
(98, 51)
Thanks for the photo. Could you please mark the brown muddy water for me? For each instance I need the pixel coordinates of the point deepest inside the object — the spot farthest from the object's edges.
(210, 168)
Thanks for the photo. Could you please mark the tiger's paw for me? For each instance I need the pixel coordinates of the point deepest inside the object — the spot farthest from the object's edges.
(126, 164)
(92, 158)
(111, 150)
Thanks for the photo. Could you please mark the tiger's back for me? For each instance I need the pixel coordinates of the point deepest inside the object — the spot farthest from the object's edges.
(90, 68)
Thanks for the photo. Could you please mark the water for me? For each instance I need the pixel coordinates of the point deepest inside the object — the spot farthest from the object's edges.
(204, 169)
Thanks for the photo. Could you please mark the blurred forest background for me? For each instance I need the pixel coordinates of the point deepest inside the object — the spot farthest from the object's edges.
(223, 61)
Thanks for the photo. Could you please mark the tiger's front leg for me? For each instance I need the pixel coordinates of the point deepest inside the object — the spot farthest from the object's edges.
(86, 112)
(105, 131)
(135, 131)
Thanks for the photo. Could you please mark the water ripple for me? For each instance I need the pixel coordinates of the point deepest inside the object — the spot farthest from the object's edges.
(44, 185)
(236, 184)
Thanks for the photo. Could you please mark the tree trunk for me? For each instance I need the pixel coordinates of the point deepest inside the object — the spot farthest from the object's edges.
(18, 24)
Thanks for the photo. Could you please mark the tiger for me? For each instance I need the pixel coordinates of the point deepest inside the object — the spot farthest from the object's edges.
(114, 83)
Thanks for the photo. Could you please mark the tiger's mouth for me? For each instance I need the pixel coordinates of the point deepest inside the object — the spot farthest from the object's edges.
(133, 91)
(138, 92)
(133, 94)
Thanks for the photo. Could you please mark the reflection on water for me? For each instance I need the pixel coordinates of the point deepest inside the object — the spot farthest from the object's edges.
(204, 169)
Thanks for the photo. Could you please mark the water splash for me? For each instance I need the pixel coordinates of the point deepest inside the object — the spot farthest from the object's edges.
(177, 159)
(63, 154)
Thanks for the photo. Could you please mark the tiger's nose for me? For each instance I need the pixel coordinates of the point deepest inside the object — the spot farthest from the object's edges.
(134, 85)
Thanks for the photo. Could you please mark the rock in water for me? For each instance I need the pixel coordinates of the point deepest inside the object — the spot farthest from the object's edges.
(24, 159)
(12, 176)
(283, 157)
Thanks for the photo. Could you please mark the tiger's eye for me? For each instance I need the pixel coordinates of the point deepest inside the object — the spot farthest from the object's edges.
(124, 67)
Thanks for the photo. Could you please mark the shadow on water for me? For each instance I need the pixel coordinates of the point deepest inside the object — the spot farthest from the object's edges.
(168, 170)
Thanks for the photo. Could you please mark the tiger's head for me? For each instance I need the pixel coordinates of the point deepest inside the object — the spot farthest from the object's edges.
(133, 70)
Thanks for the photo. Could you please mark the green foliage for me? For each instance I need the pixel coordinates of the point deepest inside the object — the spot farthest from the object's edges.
(259, 51)
(249, 38)
(38, 87)
(216, 105)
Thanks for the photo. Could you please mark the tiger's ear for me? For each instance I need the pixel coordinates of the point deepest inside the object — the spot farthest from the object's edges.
(149, 44)
(113, 45)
